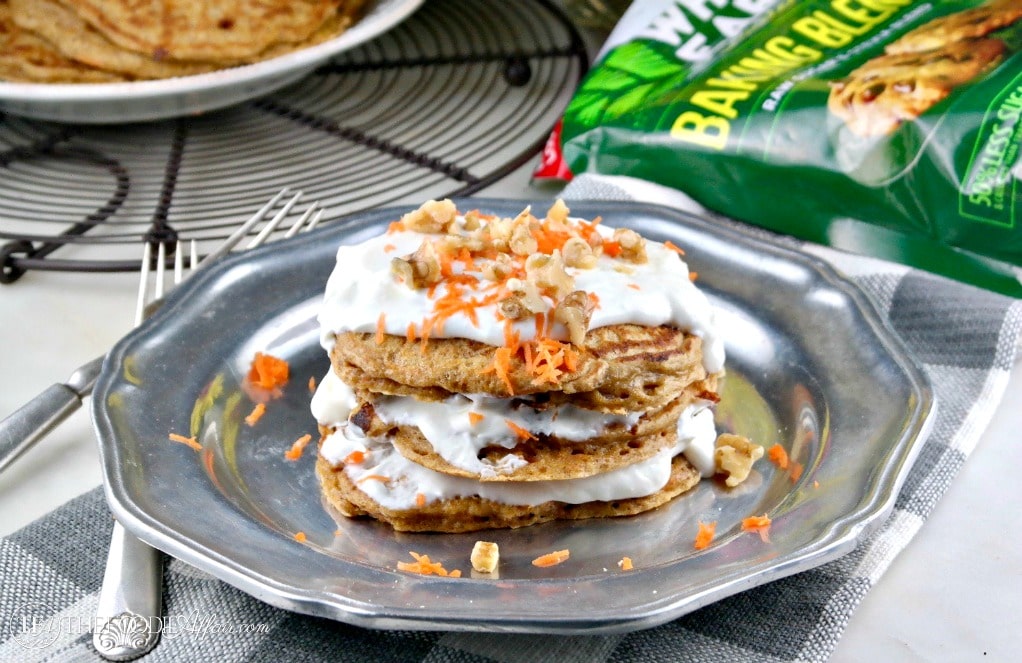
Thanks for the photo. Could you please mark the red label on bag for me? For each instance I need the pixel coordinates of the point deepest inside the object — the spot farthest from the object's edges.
(552, 166)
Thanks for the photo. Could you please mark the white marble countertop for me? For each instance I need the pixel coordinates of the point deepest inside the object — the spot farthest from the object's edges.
(954, 594)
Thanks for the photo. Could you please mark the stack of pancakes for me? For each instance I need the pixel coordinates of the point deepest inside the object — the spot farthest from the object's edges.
(97, 41)
(491, 416)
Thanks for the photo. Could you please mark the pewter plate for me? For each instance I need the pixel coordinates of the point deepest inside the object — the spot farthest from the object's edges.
(810, 365)
(139, 101)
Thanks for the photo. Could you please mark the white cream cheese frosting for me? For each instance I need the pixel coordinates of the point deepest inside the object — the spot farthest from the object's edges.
(654, 293)
(395, 482)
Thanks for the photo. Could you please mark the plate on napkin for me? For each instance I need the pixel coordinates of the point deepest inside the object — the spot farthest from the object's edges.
(810, 366)
(146, 100)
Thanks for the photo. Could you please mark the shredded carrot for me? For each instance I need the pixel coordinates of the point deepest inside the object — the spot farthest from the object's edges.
(381, 328)
(295, 452)
(394, 227)
(587, 230)
(312, 384)
(387, 248)
(354, 458)
(796, 472)
(692, 276)
(268, 371)
(705, 535)
(502, 367)
(427, 567)
(758, 524)
(256, 414)
(410, 334)
(612, 249)
(625, 564)
(424, 332)
(474, 418)
(669, 245)
(594, 300)
(300, 537)
(519, 432)
(550, 236)
(420, 500)
(778, 456)
(552, 559)
(374, 477)
(634, 286)
(188, 441)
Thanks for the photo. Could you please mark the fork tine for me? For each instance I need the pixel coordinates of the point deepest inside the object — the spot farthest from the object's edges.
(297, 226)
(244, 228)
(179, 264)
(143, 282)
(274, 222)
(161, 269)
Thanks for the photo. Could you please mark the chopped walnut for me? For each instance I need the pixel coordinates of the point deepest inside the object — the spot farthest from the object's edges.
(420, 269)
(499, 231)
(485, 555)
(558, 212)
(578, 253)
(433, 216)
(499, 268)
(522, 242)
(574, 312)
(633, 246)
(472, 221)
(523, 301)
(547, 272)
(734, 455)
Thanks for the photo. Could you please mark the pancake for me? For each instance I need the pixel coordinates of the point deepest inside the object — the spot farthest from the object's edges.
(228, 31)
(501, 372)
(620, 368)
(77, 40)
(470, 514)
(547, 458)
(25, 57)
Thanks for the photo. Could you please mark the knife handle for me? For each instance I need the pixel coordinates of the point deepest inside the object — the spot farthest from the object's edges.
(32, 421)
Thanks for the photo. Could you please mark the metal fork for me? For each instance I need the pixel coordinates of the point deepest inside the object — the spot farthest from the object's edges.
(132, 592)
(34, 420)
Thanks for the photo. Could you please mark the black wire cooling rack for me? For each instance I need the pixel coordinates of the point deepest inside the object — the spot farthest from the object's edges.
(456, 97)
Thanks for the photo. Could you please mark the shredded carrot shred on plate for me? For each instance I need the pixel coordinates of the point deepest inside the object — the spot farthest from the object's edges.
(381, 328)
(256, 414)
(187, 441)
(705, 535)
(295, 452)
(312, 384)
(778, 456)
(423, 565)
(625, 564)
(268, 371)
(374, 477)
(300, 537)
(795, 473)
(758, 524)
(552, 558)
(474, 418)
(420, 500)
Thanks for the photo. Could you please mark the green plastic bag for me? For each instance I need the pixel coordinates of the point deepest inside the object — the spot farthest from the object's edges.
(886, 127)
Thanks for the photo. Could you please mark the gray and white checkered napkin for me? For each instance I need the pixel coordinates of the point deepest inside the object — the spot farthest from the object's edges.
(965, 338)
